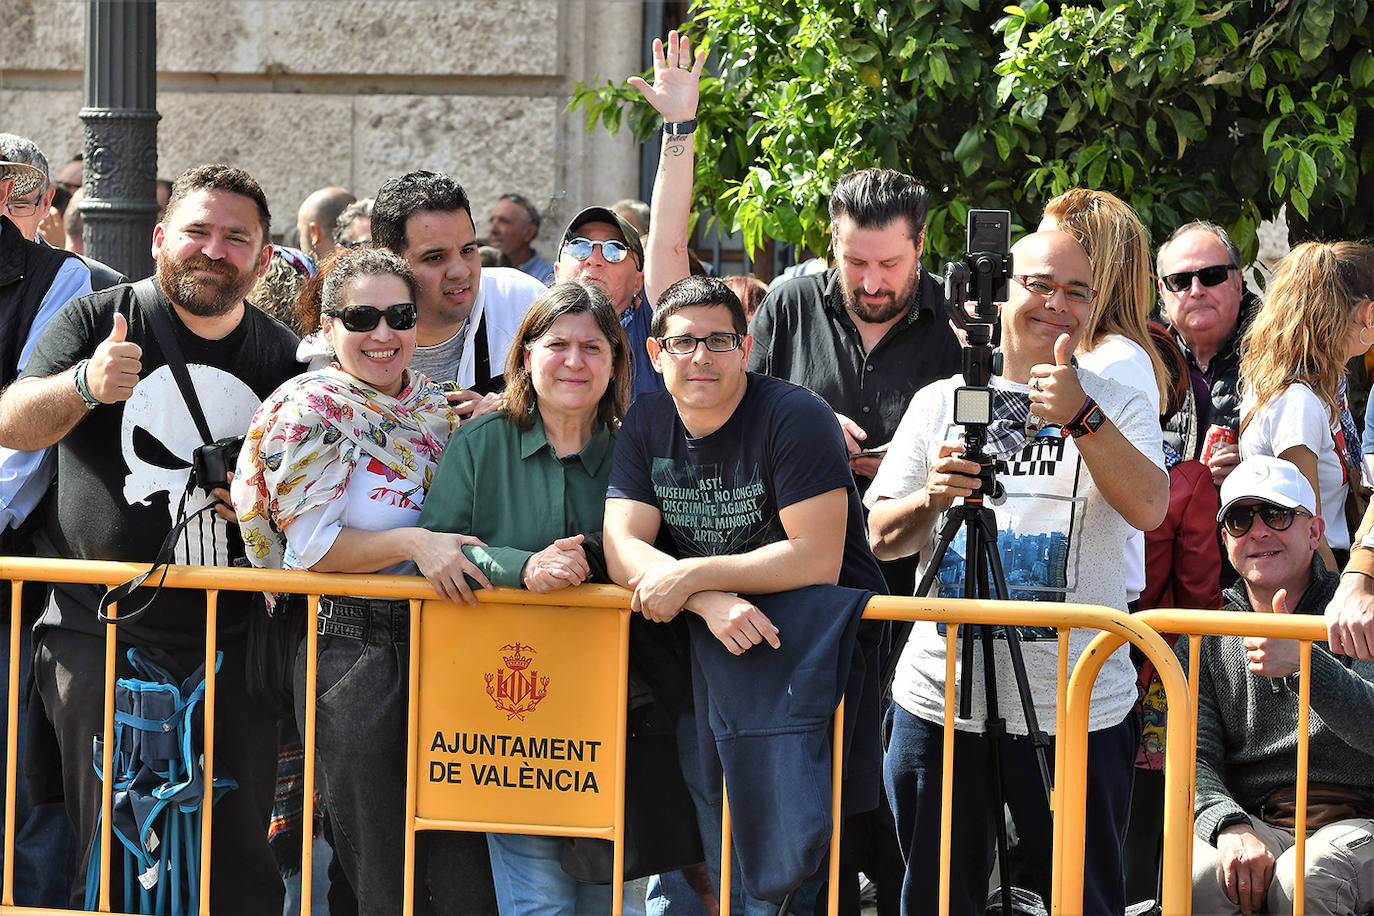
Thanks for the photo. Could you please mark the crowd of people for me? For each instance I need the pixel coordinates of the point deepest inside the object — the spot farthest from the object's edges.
(1161, 436)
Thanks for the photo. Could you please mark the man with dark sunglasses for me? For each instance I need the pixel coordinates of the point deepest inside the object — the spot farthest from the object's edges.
(600, 246)
(1207, 307)
(1248, 712)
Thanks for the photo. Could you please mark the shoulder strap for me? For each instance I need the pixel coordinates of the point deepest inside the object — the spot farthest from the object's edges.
(145, 292)
(483, 381)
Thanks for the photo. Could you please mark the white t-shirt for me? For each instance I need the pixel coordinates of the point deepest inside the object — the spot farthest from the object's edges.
(503, 296)
(1123, 360)
(1297, 416)
(1059, 541)
(374, 500)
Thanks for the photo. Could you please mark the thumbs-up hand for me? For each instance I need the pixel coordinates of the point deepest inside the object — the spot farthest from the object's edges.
(1055, 395)
(1269, 657)
(113, 370)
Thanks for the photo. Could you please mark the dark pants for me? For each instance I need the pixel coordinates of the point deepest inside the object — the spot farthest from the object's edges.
(44, 848)
(360, 746)
(69, 669)
(913, 769)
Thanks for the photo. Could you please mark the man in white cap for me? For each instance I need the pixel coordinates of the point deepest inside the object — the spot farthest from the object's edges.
(1247, 720)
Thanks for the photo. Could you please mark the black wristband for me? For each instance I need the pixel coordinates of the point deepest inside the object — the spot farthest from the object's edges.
(679, 128)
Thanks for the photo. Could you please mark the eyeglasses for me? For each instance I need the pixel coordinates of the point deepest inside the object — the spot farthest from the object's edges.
(686, 344)
(1238, 519)
(1207, 276)
(581, 249)
(18, 206)
(362, 318)
(1043, 287)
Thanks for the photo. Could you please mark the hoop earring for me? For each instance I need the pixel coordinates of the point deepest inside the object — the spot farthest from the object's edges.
(1363, 342)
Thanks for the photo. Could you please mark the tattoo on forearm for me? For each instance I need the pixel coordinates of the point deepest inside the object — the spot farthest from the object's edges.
(676, 146)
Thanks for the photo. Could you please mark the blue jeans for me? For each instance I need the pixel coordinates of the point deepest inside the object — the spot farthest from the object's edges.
(913, 768)
(530, 882)
(670, 894)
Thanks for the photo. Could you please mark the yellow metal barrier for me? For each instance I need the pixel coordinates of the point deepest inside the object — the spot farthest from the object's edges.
(1070, 768)
(1306, 628)
(1074, 690)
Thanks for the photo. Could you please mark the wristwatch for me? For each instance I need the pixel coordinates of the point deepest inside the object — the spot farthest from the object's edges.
(679, 128)
(1230, 820)
(1089, 420)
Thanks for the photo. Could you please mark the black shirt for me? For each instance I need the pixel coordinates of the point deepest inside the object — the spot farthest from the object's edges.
(804, 333)
(122, 469)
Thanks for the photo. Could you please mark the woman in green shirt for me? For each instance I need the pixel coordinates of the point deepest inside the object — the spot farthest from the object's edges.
(530, 482)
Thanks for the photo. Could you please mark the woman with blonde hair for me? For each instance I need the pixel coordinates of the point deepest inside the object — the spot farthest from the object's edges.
(1317, 315)
(1116, 340)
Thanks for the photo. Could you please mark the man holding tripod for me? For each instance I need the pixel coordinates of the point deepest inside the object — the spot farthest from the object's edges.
(1079, 459)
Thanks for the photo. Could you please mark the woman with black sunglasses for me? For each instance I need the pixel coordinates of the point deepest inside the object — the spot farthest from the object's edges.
(332, 478)
(1317, 315)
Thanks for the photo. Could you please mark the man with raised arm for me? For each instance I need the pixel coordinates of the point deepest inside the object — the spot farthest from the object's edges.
(1248, 704)
(1076, 460)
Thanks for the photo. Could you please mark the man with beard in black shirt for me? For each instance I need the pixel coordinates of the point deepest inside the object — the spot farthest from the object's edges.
(98, 386)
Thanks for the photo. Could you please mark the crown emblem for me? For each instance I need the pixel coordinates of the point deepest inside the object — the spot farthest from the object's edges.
(516, 689)
(515, 661)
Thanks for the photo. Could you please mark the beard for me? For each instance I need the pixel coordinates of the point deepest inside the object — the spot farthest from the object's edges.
(204, 297)
(893, 304)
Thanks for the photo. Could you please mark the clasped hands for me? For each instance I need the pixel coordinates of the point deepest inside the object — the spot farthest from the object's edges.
(663, 590)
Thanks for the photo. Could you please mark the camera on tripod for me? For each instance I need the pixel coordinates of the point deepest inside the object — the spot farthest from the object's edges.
(981, 278)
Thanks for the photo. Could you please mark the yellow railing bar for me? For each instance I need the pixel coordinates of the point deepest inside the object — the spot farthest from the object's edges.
(107, 765)
(947, 768)
(207, 803)
(12, 742)
(1068, 886)
(412, 750)
(308, 755)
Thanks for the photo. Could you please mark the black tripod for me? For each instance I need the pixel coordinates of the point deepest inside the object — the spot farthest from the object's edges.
(981, 278)
(983, 568)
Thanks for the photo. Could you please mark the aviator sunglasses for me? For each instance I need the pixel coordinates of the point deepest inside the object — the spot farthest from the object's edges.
(363, 318)
(1238, 519)
(1207, 276)
(611, 250)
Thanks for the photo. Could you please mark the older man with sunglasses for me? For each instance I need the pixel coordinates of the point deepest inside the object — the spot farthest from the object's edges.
(601, 247)
(1208, 308)
(1248, 713)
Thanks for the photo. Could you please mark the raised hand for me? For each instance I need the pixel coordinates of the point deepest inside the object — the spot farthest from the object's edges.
(1056, 394)
(1269, 656)
(677, 79)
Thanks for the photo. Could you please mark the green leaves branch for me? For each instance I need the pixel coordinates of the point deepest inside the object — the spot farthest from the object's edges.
(1184, 108)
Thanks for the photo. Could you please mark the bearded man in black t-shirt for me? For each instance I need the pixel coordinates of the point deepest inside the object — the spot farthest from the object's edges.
(99, 387)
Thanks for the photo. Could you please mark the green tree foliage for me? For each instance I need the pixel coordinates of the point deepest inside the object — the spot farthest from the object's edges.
(1223, 111)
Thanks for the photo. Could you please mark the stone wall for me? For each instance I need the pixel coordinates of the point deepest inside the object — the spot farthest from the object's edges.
(308, 93)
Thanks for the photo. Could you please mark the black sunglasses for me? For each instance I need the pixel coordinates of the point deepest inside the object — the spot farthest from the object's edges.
(1238, 519)
(1207, 276)
(363, 318)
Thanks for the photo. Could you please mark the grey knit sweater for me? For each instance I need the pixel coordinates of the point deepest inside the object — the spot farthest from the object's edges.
(1247, 724)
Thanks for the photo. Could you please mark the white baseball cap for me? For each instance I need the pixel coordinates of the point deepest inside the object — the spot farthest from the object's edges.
(1270, 479)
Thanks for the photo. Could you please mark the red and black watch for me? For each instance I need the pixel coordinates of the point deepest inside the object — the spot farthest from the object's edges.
(1089, 420)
